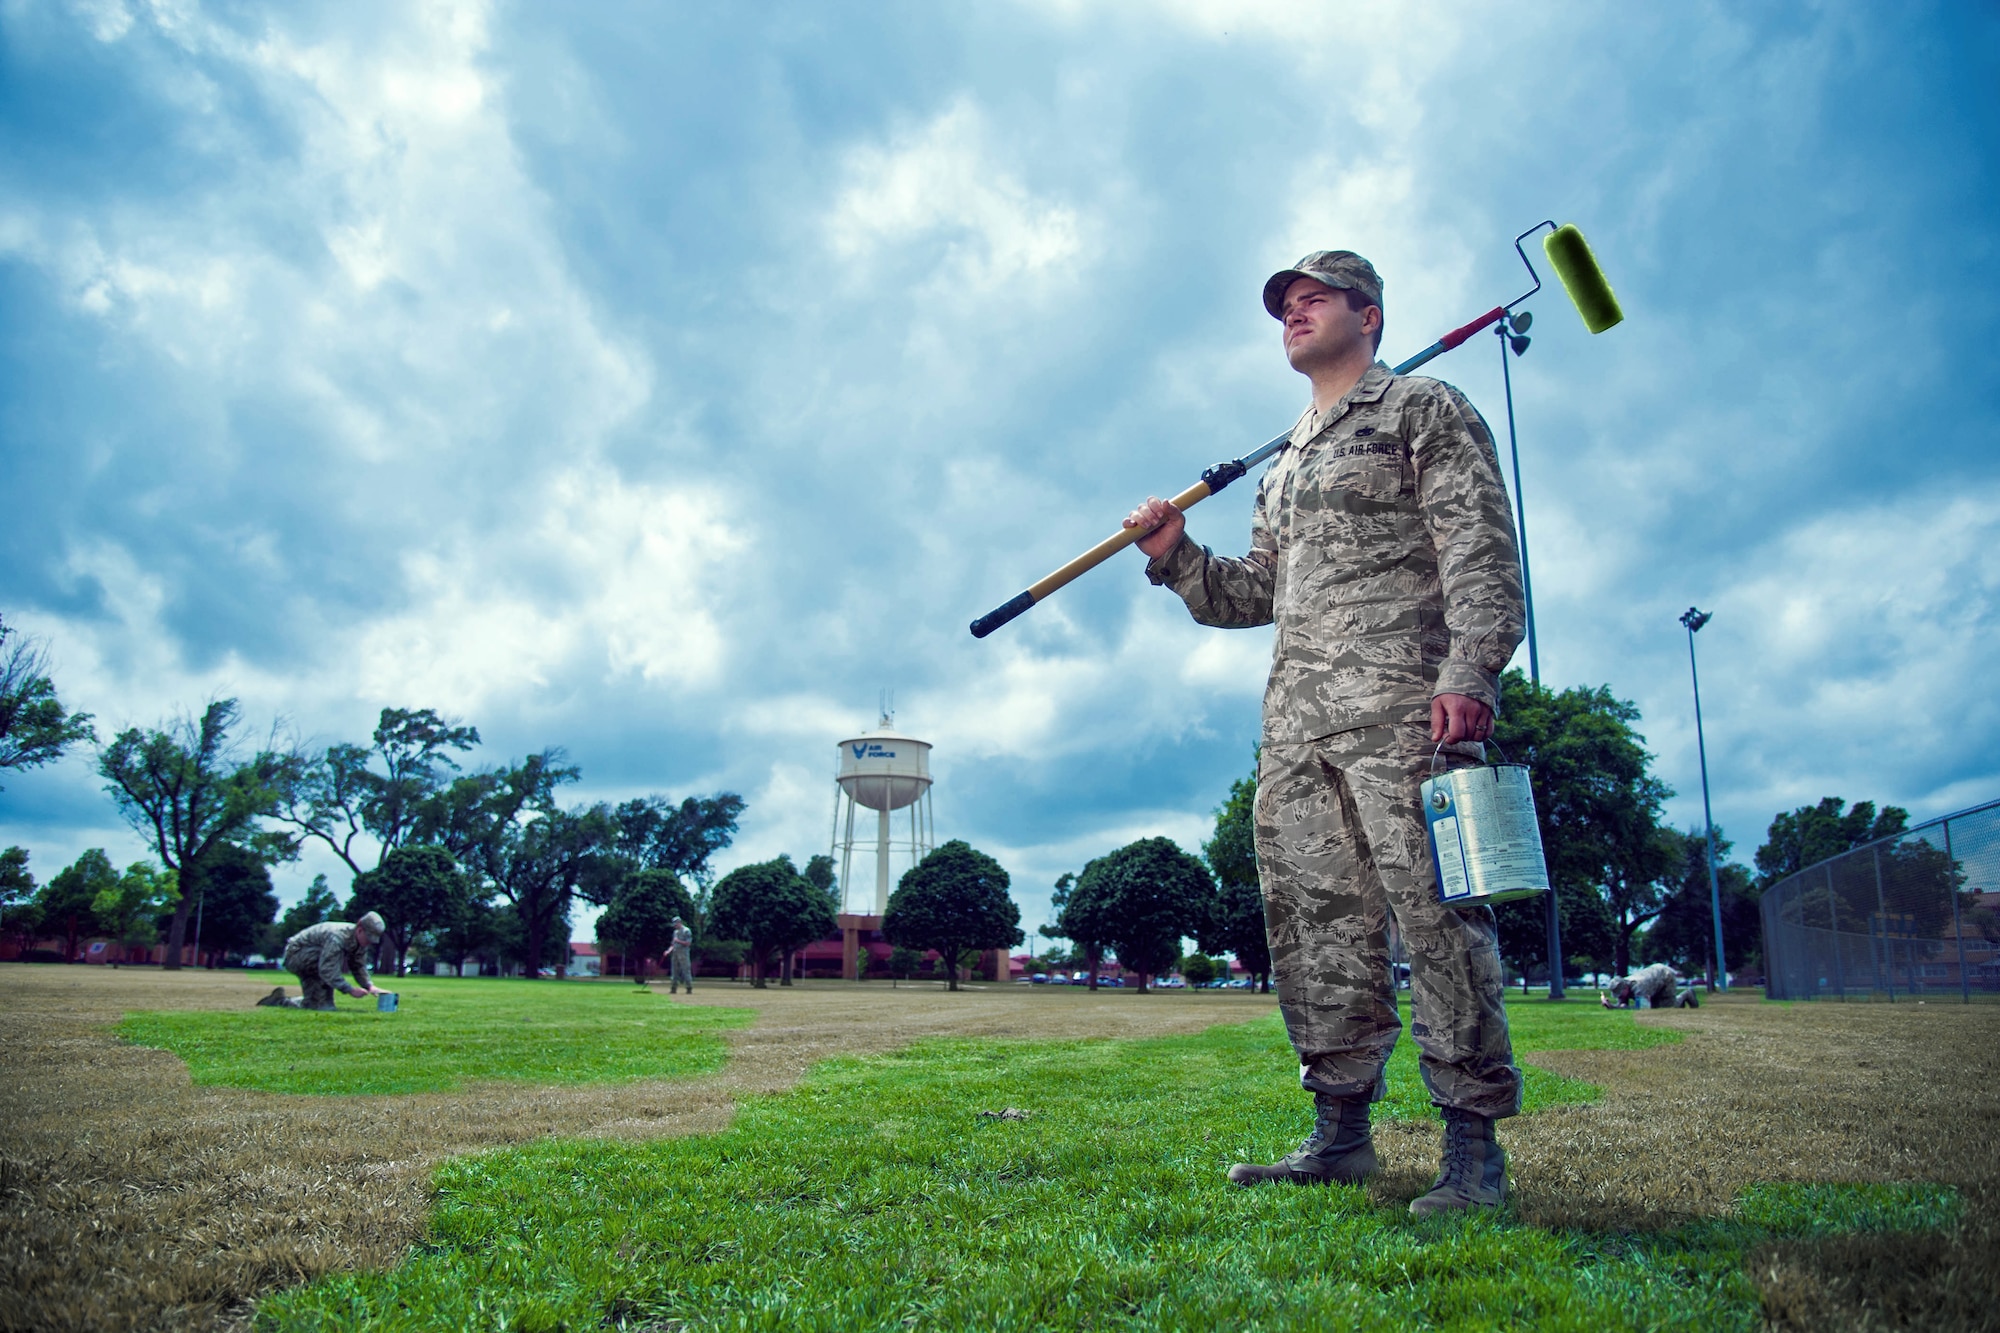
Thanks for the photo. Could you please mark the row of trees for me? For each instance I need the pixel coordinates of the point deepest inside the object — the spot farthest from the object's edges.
(491, 861)
(759, 913)
(461, 861)
(1629, 887)
(1142, 901)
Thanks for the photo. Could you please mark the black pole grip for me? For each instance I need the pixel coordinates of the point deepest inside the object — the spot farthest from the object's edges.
(1001, 614)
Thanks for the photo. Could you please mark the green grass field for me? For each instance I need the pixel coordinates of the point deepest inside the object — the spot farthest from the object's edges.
(875, 1195)
(448, 1032)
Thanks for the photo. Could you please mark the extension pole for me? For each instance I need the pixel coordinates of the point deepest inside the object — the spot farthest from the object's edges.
(1211, 483)
(1556, 990)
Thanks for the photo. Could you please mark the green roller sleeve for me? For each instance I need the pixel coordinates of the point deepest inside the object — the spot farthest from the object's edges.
(1588, 291)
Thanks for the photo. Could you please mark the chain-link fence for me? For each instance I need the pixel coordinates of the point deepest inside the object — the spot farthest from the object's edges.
(1913, 916)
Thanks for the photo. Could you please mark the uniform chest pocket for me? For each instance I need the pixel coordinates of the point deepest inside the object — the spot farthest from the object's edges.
(1373, 469)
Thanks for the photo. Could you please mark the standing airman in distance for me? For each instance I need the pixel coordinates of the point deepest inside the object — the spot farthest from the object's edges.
(1382, 548)
(683, 973)
(320, 956)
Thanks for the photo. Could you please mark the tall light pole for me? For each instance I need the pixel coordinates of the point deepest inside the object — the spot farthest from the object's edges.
(1694, 620)
(1513, 332)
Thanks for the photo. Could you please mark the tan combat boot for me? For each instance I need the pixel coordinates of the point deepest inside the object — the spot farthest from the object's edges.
(1337, 1152)
(1474, 1173)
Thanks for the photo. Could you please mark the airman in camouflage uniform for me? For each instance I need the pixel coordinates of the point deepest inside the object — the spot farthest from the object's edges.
(683, 972)
(1654, 987)
(1382, 549)
(320, 957)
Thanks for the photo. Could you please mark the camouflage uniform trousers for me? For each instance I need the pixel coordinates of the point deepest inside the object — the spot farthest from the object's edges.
(1341, 846)
(304, 964)
(683, 975)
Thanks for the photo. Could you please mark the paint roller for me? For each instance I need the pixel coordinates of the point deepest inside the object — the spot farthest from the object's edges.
(1581, 277)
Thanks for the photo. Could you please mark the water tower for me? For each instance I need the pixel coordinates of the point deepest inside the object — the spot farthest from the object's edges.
(884, 771)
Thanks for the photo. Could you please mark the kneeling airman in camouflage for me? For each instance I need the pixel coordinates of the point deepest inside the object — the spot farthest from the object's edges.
(320, 957)
(1382, 548)
(1654, 987)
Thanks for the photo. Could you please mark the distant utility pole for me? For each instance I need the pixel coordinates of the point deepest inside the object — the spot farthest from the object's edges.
(1694, 620)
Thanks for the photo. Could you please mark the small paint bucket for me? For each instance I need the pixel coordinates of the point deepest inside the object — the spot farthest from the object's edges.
(386, 1002)
(1484, 837)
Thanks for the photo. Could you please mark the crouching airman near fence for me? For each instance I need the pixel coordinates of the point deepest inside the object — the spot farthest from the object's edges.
(1382, 547)
(320, 957)
(1654, 987)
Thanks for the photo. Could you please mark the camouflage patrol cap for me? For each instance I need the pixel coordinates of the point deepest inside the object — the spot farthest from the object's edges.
(1336, 268)
(373, 924)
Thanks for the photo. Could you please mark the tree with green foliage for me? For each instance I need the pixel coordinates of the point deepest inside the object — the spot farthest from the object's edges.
(416, 890)
(188, 790)
(904, 962)
(818, 914)
(19, 916)
(773, 908)
(129, 910)
(478, 930)
(1684, 934)
(1599, 807)
(639, 923)
(504, 827)
(1081, 921)
(1236, 926)
(319, 904)
(236, 903)
(820, 874)
(1588, 932)
(1812, 833)
(337, 795)
(953, 900)
(66, 900)
(35, 728)
(1198, 969)
(1149, 895)
(655, 834)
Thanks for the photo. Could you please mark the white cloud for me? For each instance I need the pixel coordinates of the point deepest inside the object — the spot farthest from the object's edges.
(945, 184)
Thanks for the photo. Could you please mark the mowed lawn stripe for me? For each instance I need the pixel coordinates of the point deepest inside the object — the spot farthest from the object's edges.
(875, 1195)
(447, 1033)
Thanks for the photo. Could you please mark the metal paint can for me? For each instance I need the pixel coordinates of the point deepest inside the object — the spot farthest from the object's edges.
(1484, 838)
(386, 1002)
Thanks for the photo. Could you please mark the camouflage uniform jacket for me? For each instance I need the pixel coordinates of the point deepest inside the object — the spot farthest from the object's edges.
(683, 940)
(1656, 985)
(1382, 547)
(333, 947)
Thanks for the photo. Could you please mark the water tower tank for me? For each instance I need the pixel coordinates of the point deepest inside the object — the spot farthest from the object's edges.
(884, 770)
(881, 770)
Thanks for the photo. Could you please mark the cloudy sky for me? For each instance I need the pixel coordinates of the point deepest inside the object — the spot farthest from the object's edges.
(665, 382)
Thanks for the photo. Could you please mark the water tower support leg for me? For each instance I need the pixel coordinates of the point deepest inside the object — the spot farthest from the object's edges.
(882, 860)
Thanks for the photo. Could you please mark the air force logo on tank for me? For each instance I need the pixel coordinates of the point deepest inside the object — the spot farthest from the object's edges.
(865, 750)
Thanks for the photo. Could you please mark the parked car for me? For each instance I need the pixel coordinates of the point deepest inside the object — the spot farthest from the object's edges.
(1040, 979)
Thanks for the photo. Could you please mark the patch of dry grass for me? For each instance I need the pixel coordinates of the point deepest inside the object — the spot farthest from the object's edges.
(1801, 1092)
(130, 1199)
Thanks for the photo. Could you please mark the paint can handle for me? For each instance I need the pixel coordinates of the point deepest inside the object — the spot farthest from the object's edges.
(1437, 756)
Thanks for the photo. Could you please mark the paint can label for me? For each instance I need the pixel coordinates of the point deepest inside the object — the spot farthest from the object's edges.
(386, 1002)
(1484, 838)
